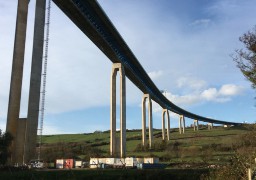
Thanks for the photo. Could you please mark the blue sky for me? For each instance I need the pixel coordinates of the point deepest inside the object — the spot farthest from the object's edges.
(184, 46)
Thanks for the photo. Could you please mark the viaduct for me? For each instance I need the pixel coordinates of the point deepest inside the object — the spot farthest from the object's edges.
(90, 18)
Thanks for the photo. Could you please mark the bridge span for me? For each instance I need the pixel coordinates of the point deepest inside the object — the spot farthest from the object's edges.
(94, 23)
(90, 18)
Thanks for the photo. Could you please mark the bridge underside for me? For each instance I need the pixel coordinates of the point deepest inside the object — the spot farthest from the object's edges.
(89, 17)
(93, 22)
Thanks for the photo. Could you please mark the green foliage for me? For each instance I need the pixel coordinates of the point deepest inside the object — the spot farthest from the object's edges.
(244, 158)
(174, 148)
(5, 141)
(246, 59)
(236, 169)
(156, 146)
(70, 150)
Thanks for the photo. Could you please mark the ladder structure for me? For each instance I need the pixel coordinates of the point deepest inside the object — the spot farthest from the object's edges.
(41, 123)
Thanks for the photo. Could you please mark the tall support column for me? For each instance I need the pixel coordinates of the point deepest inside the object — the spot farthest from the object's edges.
(35, 82)
(182, 124)
(150, 124)
(118, 67)
(123, 112)
(21, 132)
(168, 125)
(113, 113)
(143, 120)
(163, 124)
(195, 125)
(210, 126)
(16, 77)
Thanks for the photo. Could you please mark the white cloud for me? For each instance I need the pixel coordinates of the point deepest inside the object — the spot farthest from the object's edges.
(155, 74)
(199, 92)
(201, 22)
(210, 94)
(180, 100)
(192, 83)
(222, 95)
(230, 90)
(213, 95)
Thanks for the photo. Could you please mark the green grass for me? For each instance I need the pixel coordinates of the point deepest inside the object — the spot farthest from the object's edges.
(192, 149)
(193, 146)
(92, 137)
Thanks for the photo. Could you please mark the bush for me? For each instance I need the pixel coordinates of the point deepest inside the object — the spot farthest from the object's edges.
(243, 159)
(5, 141)
(70, 150)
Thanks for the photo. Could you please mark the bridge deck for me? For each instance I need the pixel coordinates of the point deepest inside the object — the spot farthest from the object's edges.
(89, 17)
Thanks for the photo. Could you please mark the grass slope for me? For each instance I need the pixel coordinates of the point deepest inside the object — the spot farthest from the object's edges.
(212, 146)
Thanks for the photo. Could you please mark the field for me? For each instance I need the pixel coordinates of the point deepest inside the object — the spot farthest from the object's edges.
(188, 156)
(194, 147)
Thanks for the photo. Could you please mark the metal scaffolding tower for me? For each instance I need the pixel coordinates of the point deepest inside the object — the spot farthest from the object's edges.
(47, 26)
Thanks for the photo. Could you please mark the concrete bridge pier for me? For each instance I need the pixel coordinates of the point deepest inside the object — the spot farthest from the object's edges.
(35, 82)
(150, 124)
(165, 111)
(12, 125)
(210, 126)
(195, 125)
(24, 130)
(113, 145)
(182, 124)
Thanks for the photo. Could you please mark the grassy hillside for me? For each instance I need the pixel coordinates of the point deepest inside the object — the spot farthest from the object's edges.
(211, 146)
(188, 155)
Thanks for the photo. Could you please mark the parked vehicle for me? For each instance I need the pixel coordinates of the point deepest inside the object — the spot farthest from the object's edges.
(36, 164)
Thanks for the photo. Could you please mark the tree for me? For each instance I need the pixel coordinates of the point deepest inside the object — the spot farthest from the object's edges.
(5, 141)
(246, 59)
(243, 158)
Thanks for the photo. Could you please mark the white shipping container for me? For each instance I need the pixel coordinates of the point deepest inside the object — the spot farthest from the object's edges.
(110, 161)
(59, 163)
(94, 163)
(78, 164)
(130, 162)
(119, 161)
(102, 160)
(151, 160)
(93, 166)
